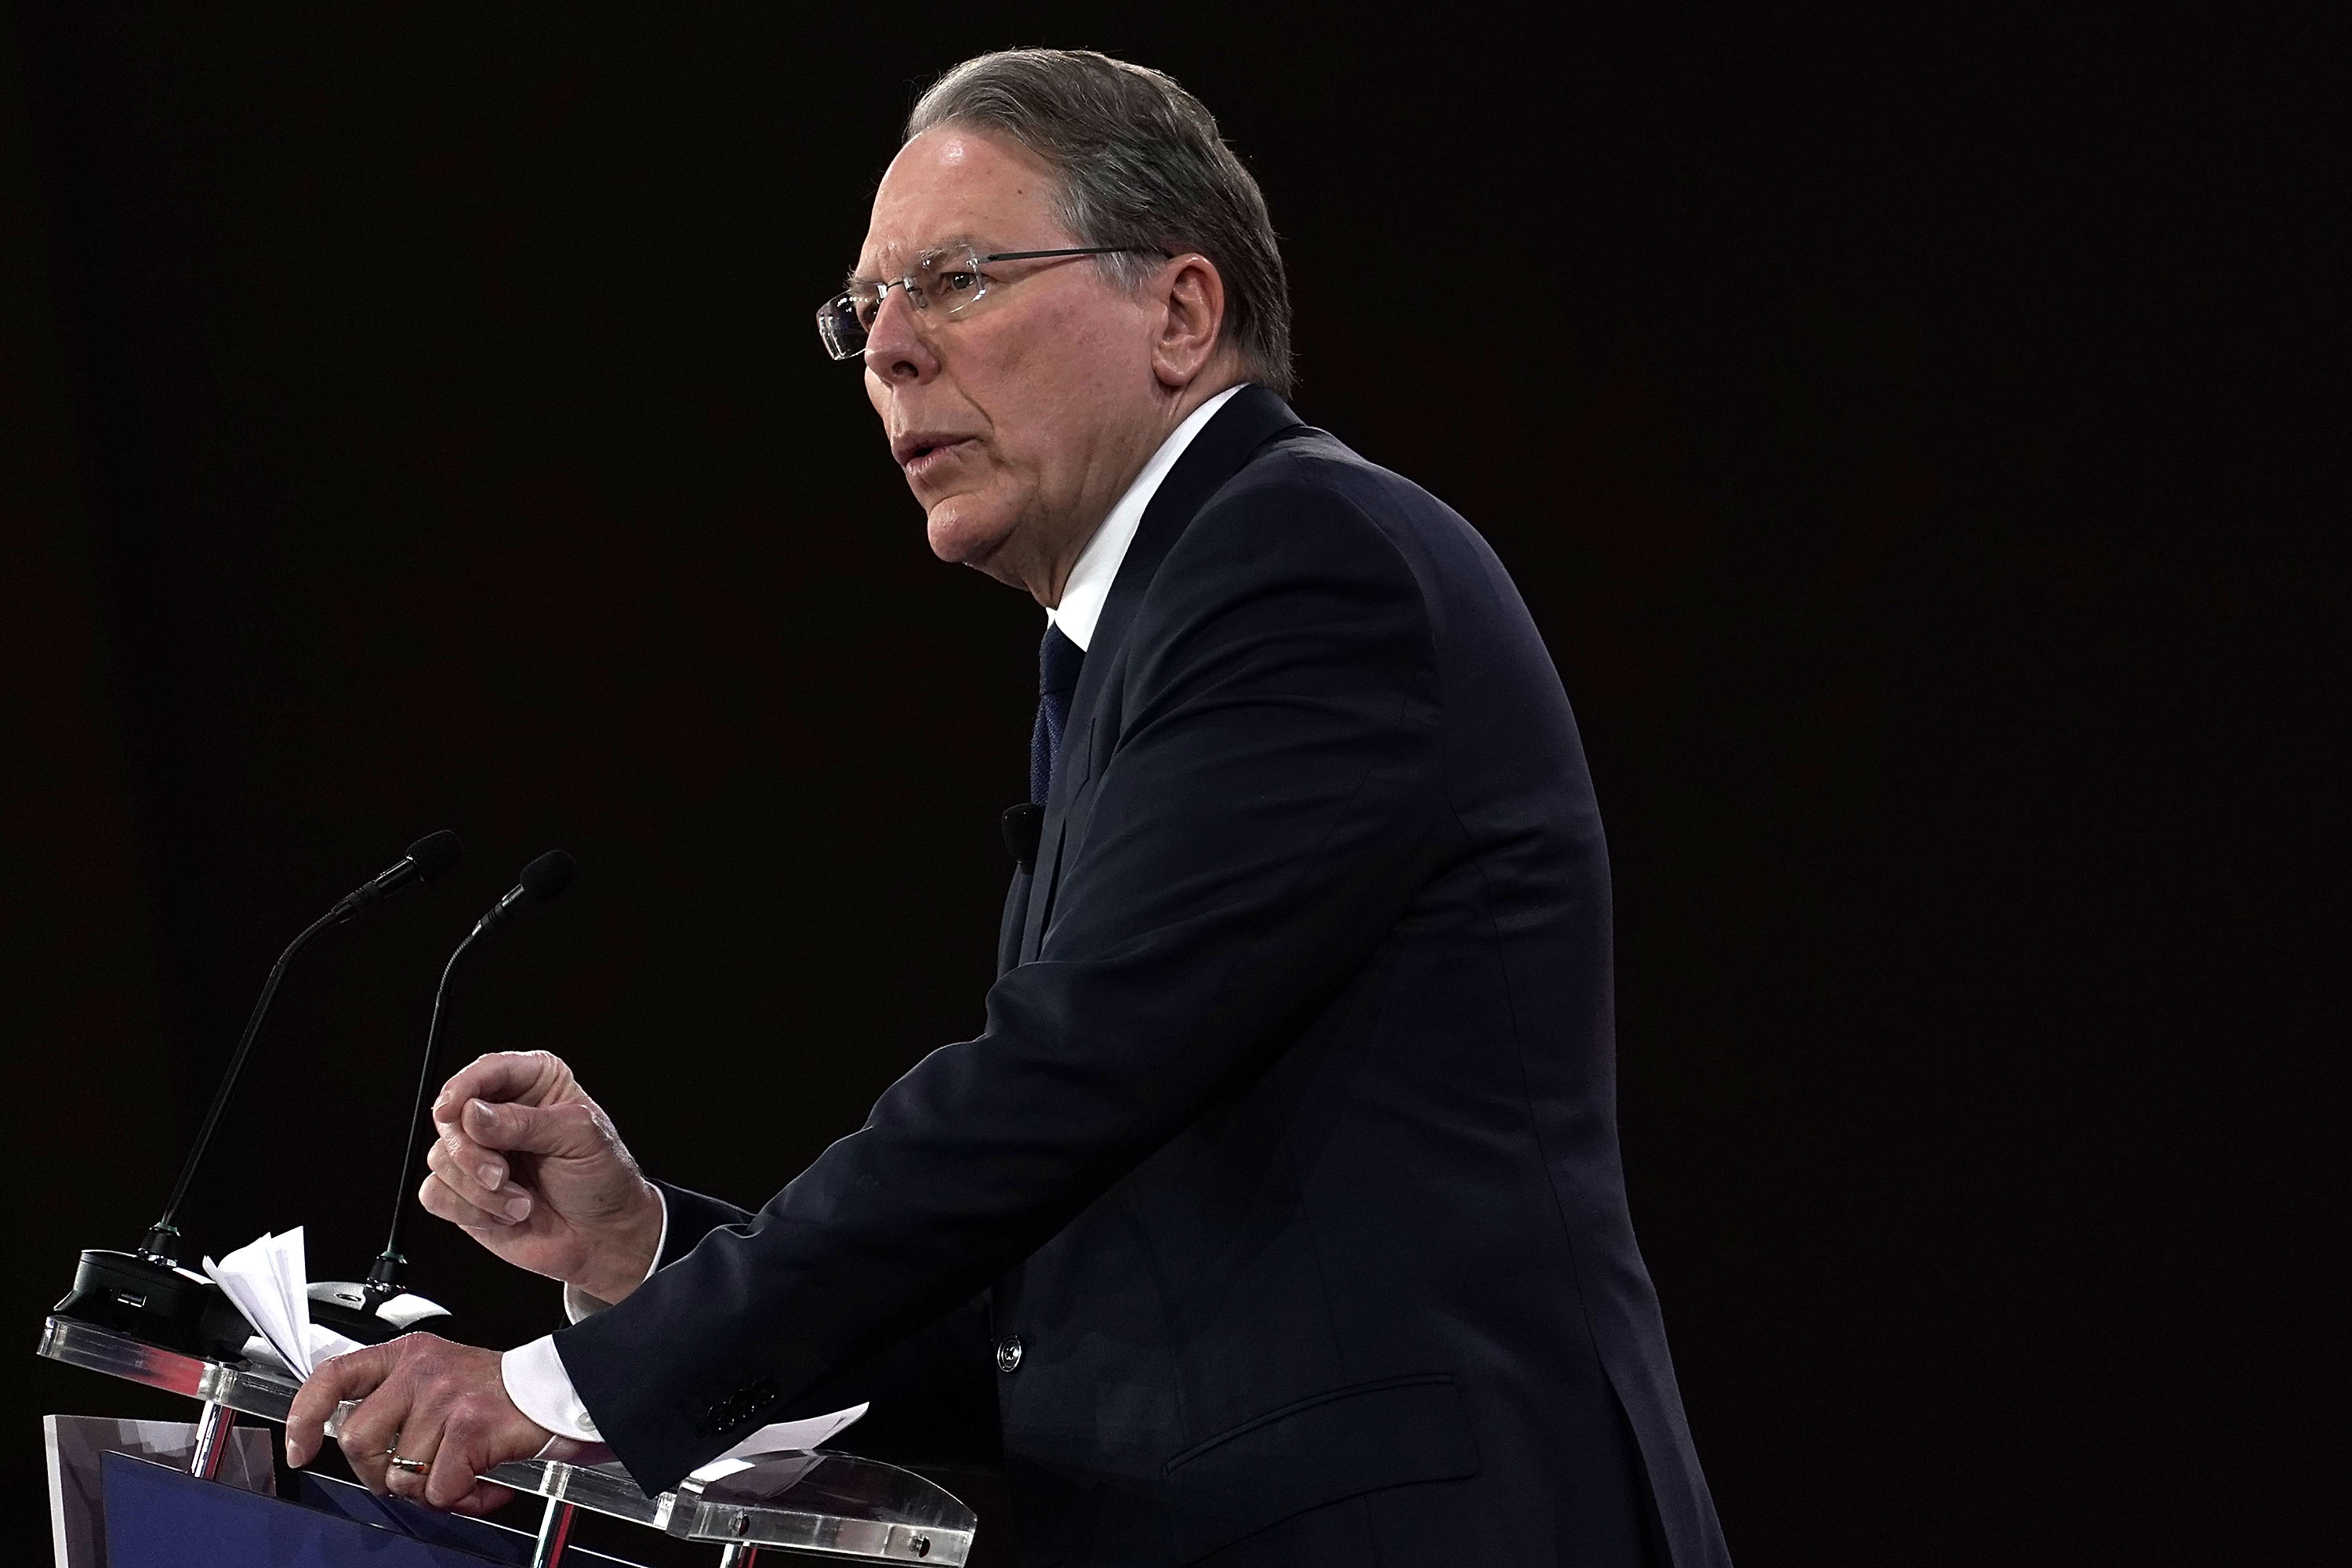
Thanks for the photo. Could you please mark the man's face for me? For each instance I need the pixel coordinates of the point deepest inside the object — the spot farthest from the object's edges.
(1018, 422)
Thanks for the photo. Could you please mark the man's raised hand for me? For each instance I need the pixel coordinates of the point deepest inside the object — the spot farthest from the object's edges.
(532, 1169)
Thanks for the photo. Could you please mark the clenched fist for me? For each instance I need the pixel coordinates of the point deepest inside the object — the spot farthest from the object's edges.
(533, 1170)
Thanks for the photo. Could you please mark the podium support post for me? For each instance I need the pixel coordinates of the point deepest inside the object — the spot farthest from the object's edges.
(554, 1529)
(738, 1555)
(213, 1428)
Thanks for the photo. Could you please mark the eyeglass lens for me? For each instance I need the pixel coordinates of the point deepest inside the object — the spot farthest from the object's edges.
(949, 279)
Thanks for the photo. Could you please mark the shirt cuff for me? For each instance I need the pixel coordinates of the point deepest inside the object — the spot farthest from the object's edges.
(543, 1390)
(579, 1304)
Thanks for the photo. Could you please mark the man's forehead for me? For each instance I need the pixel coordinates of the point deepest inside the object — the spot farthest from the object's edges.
(950, 186)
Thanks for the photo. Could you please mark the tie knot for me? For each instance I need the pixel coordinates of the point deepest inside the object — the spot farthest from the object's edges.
(1058, 659)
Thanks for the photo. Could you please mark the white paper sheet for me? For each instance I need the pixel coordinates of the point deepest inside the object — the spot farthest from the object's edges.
(778, 1437)
(270, 1282)
(782, 1436)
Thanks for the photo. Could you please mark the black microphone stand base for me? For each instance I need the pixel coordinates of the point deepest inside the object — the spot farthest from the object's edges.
(177, 1309)
(357, 1311)
(149, 1298)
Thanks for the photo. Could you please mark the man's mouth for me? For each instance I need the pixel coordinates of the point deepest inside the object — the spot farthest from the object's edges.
(922, 450)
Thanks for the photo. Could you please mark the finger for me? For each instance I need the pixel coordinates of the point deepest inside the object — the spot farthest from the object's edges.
(486, 1497)
(483, 1431)
(372, 1433)
(455, 1477)
(463, 1171)
(530, 1076)
(348, 1376)
(442, 1203)
(418, 1441)
(479, 1176)
(456, 1147)
(573, 1130)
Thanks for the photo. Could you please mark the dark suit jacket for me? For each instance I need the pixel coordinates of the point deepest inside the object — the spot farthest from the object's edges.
(1276, 1216)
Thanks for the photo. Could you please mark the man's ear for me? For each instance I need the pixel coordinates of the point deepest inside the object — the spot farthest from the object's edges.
(1193, 300)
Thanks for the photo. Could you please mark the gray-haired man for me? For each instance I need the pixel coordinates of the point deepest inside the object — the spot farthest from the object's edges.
(1276, 1216)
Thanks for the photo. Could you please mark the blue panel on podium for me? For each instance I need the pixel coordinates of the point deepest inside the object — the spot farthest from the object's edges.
(157, 1516)
(478, 1537)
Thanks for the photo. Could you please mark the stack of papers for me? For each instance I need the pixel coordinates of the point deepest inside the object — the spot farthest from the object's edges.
(271, 1284)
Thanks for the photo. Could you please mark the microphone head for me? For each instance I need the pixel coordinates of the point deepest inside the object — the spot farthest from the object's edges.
(546, 877)
(435, 854)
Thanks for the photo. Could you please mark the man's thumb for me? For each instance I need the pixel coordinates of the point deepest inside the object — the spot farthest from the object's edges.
(530, 1129)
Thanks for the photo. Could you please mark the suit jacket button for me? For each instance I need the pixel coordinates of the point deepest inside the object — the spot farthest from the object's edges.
(1008, 1354)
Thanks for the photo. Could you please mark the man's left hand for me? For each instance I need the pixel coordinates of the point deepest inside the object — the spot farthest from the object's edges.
(441, 1405)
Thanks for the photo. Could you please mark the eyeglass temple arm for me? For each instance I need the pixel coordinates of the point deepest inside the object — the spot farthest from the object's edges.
(1073, 250)
(887, 285)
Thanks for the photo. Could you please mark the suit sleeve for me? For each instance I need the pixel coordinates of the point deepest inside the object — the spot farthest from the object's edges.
(932, 1398)
(1261, 823)
(692, 1216)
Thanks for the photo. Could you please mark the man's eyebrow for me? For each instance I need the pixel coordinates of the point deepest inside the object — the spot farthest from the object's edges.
(854, 277)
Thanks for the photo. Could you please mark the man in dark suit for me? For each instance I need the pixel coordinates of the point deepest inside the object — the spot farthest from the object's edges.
(1276, 1216)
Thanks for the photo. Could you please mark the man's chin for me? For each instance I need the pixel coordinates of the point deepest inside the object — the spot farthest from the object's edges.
(964, 534)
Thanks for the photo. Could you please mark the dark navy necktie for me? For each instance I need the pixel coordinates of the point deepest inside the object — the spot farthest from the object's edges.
(1057, 678)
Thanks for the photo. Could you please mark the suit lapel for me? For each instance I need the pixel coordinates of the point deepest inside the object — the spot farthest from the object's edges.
(1220, 451)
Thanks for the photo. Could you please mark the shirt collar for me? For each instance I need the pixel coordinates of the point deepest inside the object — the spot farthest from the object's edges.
(1098, 565)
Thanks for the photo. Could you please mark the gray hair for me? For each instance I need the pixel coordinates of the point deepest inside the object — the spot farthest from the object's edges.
(1138, 163)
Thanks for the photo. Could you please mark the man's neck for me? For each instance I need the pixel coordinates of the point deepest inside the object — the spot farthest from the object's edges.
(1171, 417)
(1086, 589)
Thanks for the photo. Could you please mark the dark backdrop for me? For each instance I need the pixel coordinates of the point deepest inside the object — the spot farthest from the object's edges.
(413, 418)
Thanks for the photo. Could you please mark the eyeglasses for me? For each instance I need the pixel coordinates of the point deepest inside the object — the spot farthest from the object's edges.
(949, 277)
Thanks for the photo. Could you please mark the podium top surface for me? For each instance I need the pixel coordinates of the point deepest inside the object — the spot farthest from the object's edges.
(835, 1504)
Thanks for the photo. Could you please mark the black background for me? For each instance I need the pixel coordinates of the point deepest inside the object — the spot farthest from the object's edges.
(411, 418)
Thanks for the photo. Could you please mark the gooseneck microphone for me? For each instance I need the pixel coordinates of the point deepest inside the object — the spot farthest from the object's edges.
(541, 880)
(430, 857)
(427, 858)
(147, 1292)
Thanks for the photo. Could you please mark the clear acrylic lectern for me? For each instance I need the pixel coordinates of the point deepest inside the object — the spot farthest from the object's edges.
(833, 1505)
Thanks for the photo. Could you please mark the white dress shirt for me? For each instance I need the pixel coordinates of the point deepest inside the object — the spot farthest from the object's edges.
(534, 1374)
(1097, 566)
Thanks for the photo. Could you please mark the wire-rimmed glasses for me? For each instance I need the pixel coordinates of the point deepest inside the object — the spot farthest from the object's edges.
(950, 278)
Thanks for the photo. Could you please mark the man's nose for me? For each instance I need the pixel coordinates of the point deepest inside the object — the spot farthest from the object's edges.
(895, 347)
